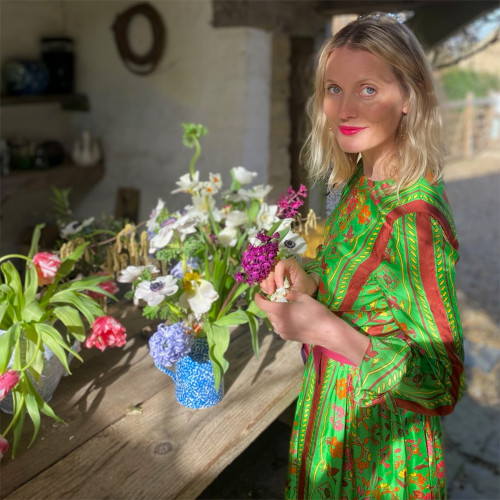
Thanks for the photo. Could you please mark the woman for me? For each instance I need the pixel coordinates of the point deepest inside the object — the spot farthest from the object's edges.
(376, 310)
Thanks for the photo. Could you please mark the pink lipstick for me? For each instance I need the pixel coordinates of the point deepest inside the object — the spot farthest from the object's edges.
(350, 130)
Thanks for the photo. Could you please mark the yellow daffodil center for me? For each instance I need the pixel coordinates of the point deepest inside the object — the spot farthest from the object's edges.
(189, 281)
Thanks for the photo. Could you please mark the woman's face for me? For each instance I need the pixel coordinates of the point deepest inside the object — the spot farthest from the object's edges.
(363, 103)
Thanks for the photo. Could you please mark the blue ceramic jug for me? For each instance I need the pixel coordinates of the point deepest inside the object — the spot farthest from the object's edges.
(194, 378)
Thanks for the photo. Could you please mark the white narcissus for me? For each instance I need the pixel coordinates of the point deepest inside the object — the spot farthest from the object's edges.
(199, 294)
(188, 184)
(242, 175)
(153, 292)
(236, 218)
(228, 237)
(266, 216)
(255, 193)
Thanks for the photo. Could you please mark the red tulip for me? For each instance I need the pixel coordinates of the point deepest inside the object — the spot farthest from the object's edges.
(4, 446)
(106, 332)
(46, 265)
(8, 381)
(108, 286)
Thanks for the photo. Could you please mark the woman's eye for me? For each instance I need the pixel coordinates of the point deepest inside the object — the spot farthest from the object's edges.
(334, 89)
(368, 91)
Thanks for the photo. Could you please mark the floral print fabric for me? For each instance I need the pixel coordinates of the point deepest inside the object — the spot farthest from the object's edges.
(387, 268)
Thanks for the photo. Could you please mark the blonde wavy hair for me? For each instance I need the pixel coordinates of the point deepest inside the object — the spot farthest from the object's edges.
(420, 142)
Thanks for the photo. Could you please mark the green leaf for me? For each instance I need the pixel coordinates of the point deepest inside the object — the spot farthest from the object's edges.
(35, 239)
(6, 315)
(54, 341)
(235, 318)
(33, 412)
(13, 279)
(253, 323)
(30, 282)
(218, 342)
(7, 342)
(32, 312)
(87, 306)
(254, 309)
(69, 262)
(71, 320)
(18, 402)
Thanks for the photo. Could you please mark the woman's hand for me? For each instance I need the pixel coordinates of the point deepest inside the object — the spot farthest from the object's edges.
(299, 280)
(305, 320)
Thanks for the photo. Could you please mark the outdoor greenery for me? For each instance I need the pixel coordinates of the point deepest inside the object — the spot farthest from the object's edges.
(458, 82)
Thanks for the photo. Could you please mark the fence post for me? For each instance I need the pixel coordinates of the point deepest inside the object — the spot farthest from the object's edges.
(468, 139)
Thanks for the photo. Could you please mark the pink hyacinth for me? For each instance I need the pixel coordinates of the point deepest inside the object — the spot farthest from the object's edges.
(8, 381)
(258, 260)
(289, 204)
(106, 332)
(46, 265)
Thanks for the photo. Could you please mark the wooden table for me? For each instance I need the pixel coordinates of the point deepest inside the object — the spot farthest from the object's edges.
(126, 435)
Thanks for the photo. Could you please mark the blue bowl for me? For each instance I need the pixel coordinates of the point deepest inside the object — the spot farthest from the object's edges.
(25, 77)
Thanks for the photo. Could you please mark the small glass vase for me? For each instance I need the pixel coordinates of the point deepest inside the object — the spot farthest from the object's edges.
(194, 378)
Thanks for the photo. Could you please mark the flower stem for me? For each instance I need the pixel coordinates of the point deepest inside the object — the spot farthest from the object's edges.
(195, 157)
(228, 299)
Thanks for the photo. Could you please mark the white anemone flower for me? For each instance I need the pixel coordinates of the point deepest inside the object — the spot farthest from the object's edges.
(152, 223)
(184, 225)
(228, 237)
(293, 244)
(266, 216)
(236, 218)
(242, 175)
(161, 239)
(131, 273)
(180, 226)
(153, 292)
(75, 227)
(187, 184)
(199, 294)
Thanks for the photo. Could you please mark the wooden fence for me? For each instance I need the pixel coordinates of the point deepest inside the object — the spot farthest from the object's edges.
(471, 125)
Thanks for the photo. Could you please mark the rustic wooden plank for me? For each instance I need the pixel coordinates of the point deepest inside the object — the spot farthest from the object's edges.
(98, 392)
(169, 451)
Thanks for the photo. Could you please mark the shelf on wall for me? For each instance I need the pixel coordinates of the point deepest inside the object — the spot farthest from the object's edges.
(65, 175)
(68, 102)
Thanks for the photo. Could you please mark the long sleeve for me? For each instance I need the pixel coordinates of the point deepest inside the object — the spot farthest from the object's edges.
(417, 362)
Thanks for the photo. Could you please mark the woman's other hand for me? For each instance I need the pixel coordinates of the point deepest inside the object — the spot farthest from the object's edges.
(299, 280)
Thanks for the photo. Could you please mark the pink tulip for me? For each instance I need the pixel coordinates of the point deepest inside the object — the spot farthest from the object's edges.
(8, 381)
(4, 446)
(46, 265)
(106, 332)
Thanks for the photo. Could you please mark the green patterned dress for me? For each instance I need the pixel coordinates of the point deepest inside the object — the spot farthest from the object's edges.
(387, 268)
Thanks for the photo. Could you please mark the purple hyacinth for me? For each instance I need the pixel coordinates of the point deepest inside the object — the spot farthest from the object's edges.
(170, 343)
(258, 260)
(289, 204)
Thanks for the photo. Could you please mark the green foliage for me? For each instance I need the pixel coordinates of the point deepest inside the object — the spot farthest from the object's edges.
(458, 82)
(29, 317)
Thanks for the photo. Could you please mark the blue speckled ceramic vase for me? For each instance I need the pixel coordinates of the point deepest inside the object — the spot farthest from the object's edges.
(194, 378)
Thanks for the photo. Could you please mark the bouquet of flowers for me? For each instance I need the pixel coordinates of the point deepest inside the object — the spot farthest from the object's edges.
(205, 260)
(45, 315)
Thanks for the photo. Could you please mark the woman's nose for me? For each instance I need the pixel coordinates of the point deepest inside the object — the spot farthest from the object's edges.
(348, 108)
